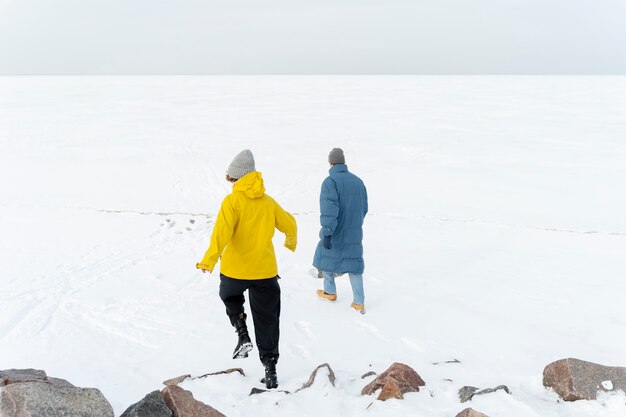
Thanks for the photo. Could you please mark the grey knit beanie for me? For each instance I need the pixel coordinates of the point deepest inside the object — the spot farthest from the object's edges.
(242, 164)
(336, 156)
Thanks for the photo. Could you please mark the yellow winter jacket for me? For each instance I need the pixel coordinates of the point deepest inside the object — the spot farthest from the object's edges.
(243, 232)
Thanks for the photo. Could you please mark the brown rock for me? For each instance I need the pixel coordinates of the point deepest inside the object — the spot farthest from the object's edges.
(183, 404)
(469, 412)
(390, 390)
(228, 371)
(574, 379)
(176, 381)
(309, 382)
(404, 378)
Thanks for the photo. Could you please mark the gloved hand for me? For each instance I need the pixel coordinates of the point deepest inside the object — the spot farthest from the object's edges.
(326, 242)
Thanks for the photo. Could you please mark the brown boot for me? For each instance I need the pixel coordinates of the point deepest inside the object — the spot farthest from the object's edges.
(358, 307)
(326, 296)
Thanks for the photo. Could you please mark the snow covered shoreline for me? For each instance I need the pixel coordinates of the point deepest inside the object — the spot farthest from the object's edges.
(496, 237)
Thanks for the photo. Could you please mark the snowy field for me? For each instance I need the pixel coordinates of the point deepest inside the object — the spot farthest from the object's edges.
(496, 235)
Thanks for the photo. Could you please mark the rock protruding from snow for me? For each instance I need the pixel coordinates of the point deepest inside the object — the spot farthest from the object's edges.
(16, 376)
(26, 399)
(469, 412)
(182, 378)
(152, 405)
(468, 392)
(177, 380)
(309, 382)
(227, 371)
(60, 382)
(574, 379)
(183, 404)
(395, 382)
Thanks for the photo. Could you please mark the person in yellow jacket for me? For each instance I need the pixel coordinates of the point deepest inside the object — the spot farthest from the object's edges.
(242, 239)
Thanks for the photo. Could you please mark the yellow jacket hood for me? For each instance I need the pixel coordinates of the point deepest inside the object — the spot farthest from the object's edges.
(251, 185)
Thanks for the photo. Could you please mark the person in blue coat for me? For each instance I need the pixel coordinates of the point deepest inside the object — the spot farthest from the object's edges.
(343, 206)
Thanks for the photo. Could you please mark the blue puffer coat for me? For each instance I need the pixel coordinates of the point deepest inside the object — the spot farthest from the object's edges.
(343, 206)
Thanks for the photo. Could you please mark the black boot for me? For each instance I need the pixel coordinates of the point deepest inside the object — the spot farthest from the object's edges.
(270, 380)
(244, 345)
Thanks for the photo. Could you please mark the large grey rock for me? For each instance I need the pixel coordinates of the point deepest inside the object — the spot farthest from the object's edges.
(152, 405)
(60, 382)
(395, 382)
(183, 404)
(15, 376)
(42, 399)
(574, 379)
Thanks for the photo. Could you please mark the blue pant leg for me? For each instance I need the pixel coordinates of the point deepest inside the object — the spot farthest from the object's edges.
(329, 283)
(356, 280)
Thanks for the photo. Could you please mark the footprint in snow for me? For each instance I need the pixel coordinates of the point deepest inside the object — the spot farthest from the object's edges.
(299, 351)
(304, 327)
(373, 330)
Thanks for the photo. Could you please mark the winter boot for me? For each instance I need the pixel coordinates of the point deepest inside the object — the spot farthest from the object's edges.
(270, 380)
(323, 294)
(358, 307)
(244, 345)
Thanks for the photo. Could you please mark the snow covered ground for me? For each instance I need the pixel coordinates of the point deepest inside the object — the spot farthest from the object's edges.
(497, 234)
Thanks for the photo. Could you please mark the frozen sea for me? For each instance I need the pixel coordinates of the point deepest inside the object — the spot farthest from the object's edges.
(496, 234)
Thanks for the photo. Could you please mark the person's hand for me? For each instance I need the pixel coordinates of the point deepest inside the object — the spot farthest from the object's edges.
(326, 242)
(204, 271)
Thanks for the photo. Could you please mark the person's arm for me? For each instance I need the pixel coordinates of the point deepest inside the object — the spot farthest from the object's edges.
(366, 204)
(286, 223)
(222, 232)
(329, 208)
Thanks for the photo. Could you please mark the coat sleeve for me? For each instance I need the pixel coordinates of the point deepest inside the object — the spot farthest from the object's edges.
(222, 233)
(286, 223)
(329, 207)
(365, 205)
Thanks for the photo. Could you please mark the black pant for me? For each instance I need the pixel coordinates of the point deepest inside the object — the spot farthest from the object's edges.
(265, 305)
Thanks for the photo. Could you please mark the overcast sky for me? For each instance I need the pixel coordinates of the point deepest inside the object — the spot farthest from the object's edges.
(313, 36)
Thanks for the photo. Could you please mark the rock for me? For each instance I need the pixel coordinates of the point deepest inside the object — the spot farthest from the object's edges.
(447, 362)
(574, 379)
(27, 399)
(152, 405)
(255, 391)
(177, 380)
(404, 378)
(183, 404)
(469, 412)
(60, 382)
(16, 376)
(309, 382)
(391, 389)
(467, 393)
(228, 371)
